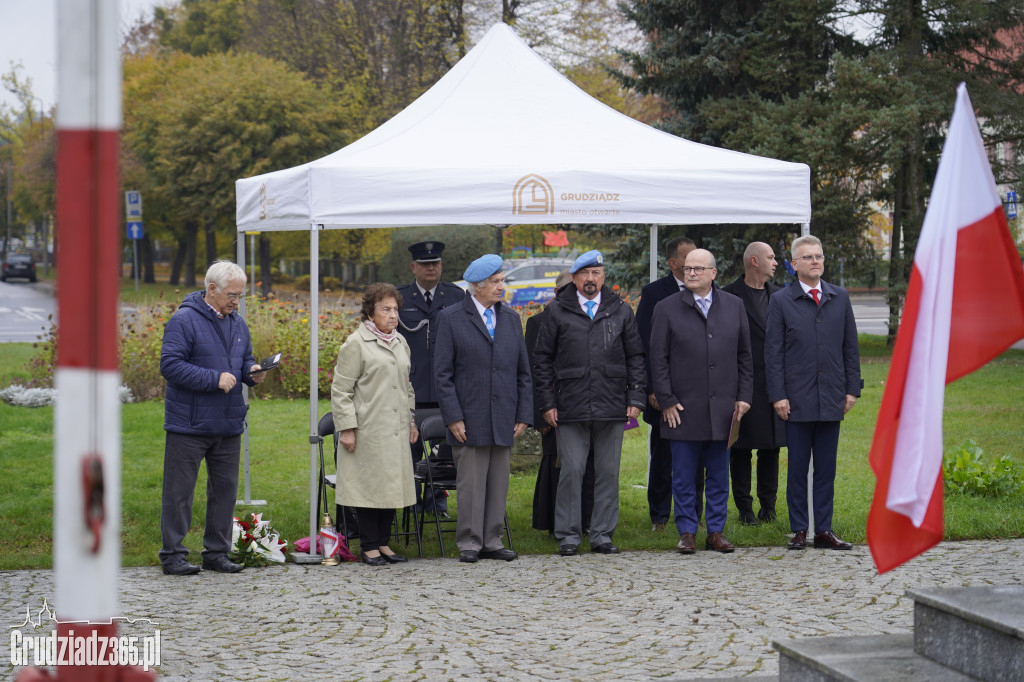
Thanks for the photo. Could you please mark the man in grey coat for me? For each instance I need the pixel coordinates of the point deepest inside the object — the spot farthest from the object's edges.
(483, 386)
(813, 367)
(703, 380)
(589, 374)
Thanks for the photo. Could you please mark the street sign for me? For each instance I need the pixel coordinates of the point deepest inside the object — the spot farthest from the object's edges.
(133, 205)
(1011, 204)
(134, 229)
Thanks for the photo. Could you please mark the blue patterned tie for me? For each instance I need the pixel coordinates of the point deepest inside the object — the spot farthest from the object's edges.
(489, 314)
(703, 306)
(590, 308)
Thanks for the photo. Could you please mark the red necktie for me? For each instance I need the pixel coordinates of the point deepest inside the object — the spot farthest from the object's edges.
(814, 294)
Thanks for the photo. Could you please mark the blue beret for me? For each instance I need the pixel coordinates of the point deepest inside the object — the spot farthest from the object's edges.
(483, 267)
(427, 252)
(590, 259)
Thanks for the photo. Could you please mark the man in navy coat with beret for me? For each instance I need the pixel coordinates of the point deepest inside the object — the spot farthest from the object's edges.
(812, 365)
(483, 385)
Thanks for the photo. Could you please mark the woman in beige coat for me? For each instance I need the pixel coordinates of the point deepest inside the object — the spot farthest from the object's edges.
(373, 403)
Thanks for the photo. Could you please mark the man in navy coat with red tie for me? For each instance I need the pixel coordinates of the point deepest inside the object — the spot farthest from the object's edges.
(812, 365)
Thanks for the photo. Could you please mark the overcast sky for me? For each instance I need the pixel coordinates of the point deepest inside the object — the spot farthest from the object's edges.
(28, 35)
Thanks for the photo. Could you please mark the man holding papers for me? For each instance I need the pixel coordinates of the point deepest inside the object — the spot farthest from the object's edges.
(702, 373)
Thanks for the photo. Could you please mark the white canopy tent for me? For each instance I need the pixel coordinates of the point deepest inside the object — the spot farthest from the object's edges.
(503, 138)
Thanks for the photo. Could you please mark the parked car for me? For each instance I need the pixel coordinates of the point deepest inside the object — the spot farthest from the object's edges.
(531, 280)
(19, 265)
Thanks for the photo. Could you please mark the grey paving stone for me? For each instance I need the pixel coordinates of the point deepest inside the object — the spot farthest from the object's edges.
(635, 616)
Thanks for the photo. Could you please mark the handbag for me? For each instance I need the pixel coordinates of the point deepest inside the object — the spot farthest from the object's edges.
(440, 462)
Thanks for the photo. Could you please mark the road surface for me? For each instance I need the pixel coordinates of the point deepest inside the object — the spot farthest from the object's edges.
(25, 310)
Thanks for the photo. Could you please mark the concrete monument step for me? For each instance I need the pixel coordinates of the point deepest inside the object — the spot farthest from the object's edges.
(875, 658)
(979, 630)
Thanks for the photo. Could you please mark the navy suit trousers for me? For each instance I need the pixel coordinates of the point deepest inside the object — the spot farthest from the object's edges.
(808, 442)
(687, 471)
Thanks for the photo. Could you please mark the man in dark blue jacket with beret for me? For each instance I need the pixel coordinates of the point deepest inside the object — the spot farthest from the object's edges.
(206, 353)
(589, 376)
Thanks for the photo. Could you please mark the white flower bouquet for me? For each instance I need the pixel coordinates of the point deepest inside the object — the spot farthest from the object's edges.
(255, 543)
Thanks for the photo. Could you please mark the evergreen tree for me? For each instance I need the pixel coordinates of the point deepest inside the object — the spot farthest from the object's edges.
(753, 76)
(905, 90)
(780, 78)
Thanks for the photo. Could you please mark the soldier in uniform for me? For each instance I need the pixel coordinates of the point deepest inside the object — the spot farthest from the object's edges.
(422, 301)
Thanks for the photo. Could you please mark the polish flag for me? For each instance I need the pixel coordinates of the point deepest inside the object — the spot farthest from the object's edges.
(964, 306)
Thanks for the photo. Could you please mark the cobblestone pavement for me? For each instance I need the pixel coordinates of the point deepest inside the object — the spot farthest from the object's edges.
(638, 615)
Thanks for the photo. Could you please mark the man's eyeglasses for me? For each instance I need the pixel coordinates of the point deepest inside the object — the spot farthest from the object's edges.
(816, 258)
(695, 269)
(234, 296)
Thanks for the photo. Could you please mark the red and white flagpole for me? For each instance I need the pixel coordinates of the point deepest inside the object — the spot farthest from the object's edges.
(87, 417)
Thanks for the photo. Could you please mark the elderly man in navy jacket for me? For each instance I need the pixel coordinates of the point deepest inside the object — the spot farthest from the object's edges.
(205, 358)
(703, 378)
(813, 368)
(483, 386)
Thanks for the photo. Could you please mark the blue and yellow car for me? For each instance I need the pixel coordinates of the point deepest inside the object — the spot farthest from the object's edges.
(530, 280)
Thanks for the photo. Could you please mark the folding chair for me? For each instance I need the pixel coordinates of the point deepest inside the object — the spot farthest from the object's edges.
(433, 431)
(342, 514)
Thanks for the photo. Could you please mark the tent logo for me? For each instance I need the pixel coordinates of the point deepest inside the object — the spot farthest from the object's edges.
(533, 195)
(265, 202)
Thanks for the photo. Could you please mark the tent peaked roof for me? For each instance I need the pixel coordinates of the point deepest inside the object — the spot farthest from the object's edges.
(504, 138)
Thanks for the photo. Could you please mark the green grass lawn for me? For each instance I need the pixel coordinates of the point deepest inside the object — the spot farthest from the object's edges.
(985, 406)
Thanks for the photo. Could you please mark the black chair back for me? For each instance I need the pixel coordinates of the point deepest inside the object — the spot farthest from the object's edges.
(433, 428)
(326, 425)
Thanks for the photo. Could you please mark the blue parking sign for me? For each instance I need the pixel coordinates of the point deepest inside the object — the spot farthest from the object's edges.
(1011, 204)
(133, 204)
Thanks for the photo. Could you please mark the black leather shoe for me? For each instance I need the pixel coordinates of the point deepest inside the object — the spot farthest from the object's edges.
(568, 550)
(747, 518)
(767, 515)
(798, 541)
(180, 567)
(394, 558)
(221, 564)
(606, 548)
(469, 556)
(499, 554)
(373, 560)
(828, 540)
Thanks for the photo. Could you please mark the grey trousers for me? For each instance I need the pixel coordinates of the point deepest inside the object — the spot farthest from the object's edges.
(481, 482)
(574, 440)
(182, 455)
